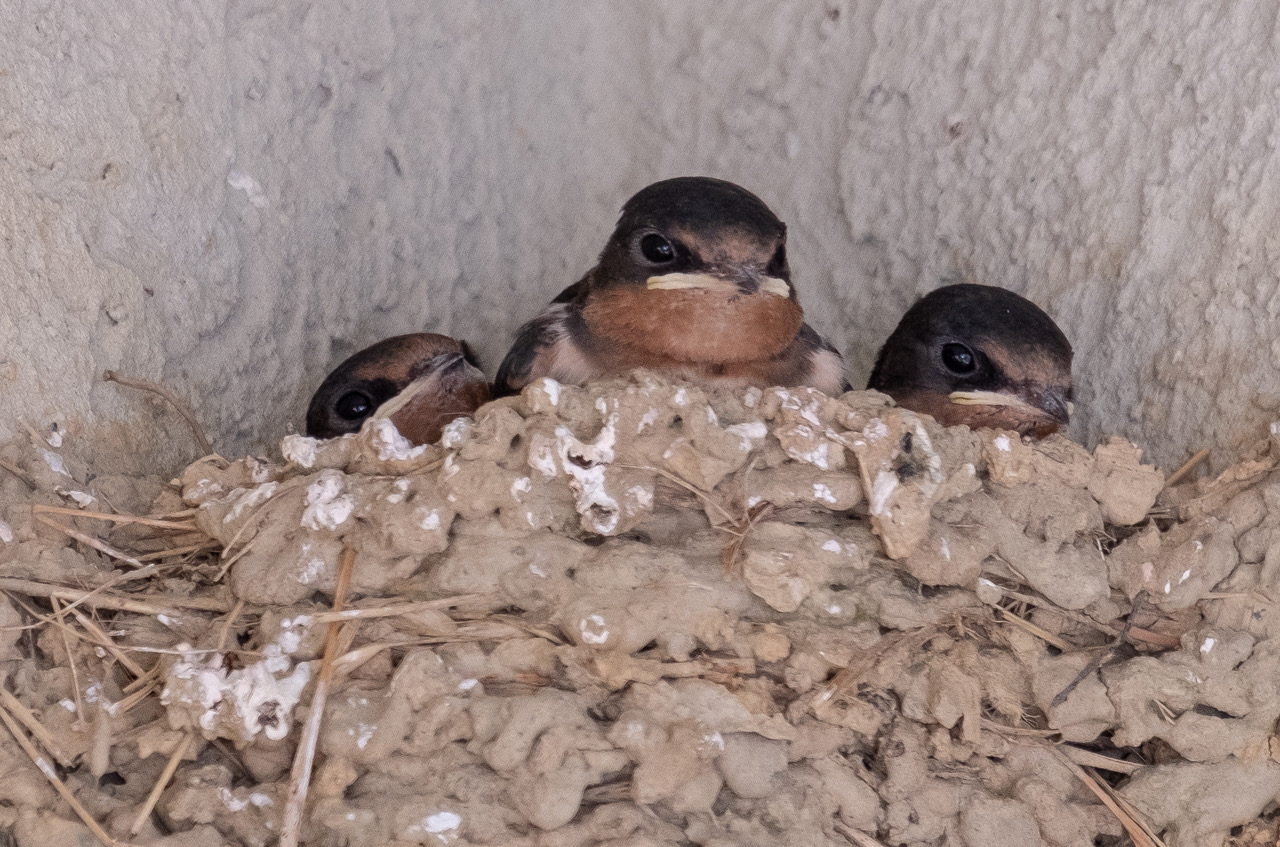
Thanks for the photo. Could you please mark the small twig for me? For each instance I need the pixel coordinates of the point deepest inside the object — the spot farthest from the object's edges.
(107, 643)
(856, 837)
(100, 546)
(18, 472)
(99, 599)
(300, 777)
(225, 633)
(161, 523)
(1091, 759)
(1095, 664)
(52, 775)
(157, 388)
(1040, 632)
(165, 775)
(210, 546)
(1138, 829)
(67, 635)
(994, 726)
(37, 729)
(729, 555)
(1181, 473)
(392, 610)
(686, 485)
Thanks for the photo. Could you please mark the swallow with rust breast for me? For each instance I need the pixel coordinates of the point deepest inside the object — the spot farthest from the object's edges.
(980, 356)
(420, 381)
(694, 284)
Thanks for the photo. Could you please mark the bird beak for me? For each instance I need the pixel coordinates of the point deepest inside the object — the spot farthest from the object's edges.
(443, 374)
(1050, 402)
(753, 284)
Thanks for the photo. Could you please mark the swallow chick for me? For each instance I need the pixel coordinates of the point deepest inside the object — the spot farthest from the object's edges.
(980, 356)
(693, 283)
(421, 382)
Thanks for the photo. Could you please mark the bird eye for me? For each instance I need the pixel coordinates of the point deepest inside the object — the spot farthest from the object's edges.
(958, 358)
(778, 264)
(657, 249)
(353, 406)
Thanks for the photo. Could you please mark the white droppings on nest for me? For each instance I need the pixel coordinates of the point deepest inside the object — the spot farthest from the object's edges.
(585, 465)
(1002, 443)
(819, 455)
(1207, 645)
(823, 492)
(648, 419)
(54, 461)
(204, 490)
(67, 704)
(363, 734)
(299, 450)
(455, 432)
(54, 438)
(548, 388)
(95, 694)
(240, 704)
(250, 499)
(833, 546)
(542, 458)
(885, 484)
(328, 504)
(520, 485)
(233, 803)
(641, 495)
(428, 519)
(594, 630)
(750, 433)
(311, 571)
(681, 397)
(6, 532)
(443, 826)
(292, 631)
(83, 499)
(390, 444)
(946, 549)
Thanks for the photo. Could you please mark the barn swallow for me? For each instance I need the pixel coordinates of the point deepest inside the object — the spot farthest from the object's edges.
(693, 283)
(980, 356)
(431, 378)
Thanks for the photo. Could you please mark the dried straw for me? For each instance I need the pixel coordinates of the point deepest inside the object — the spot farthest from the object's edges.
(157, 388)
(52, 775)
(300, 777)
(170, 767)
(1181, 473)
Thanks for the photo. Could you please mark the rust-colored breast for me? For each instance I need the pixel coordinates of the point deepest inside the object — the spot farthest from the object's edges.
(692, 326)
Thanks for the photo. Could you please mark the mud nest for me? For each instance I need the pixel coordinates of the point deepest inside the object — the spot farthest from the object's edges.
(642, 613)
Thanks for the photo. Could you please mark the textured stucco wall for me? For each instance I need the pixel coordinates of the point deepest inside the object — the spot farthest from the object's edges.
(230, 197)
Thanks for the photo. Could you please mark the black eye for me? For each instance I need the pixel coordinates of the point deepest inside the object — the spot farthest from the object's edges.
(657, 249)
(778, 264)
(958, 358)
(353, 406)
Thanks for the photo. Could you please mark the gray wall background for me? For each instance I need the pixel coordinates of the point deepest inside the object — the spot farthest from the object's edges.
(230, 197)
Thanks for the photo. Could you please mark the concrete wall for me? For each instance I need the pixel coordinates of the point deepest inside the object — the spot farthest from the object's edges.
(230, 197)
